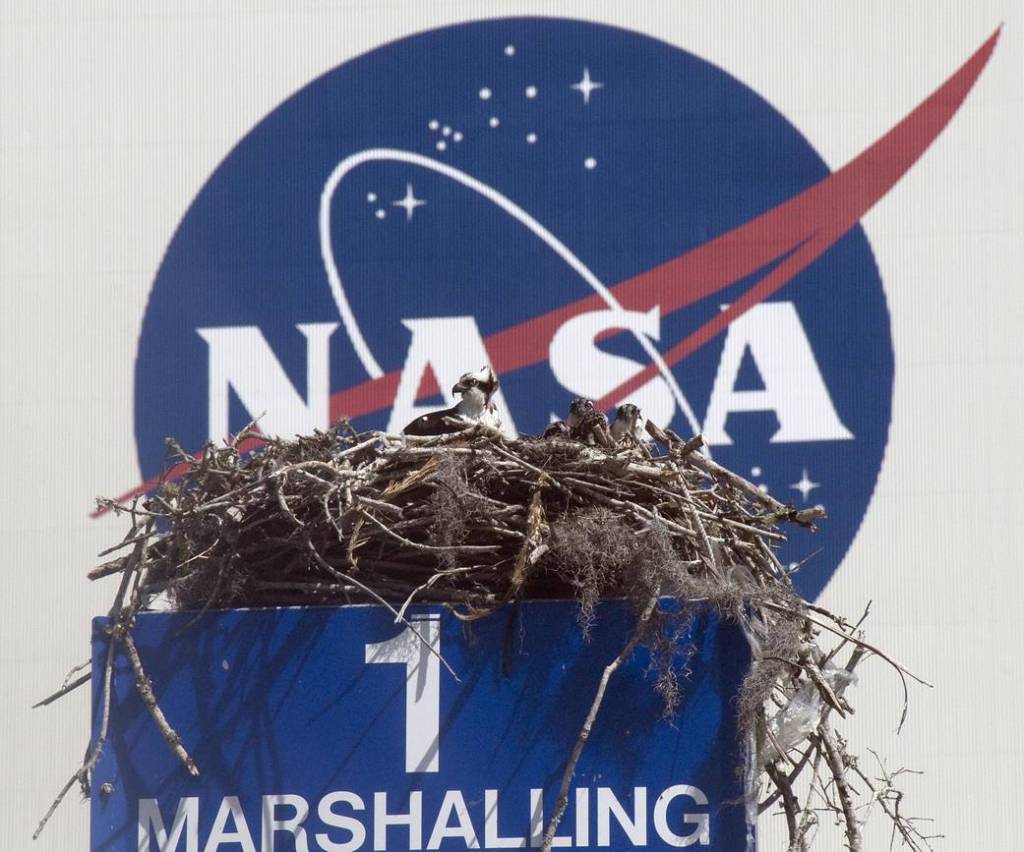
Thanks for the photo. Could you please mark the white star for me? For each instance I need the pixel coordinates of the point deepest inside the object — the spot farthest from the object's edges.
(805, 486)
(586, 85)
(409, 203)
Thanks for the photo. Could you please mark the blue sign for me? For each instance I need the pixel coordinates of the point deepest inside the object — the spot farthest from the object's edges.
(337, 729)
(591, 211)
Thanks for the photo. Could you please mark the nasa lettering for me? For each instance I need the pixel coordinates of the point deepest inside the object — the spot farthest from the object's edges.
(555, 199)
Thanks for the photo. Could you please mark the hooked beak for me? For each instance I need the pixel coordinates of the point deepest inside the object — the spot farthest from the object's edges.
(458, 388)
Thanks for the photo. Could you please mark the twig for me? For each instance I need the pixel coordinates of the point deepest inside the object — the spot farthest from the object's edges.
(82, 774)
(901, 671)
(145, 690)
(64, 690)
(837, 764)
(792, 806)
(429, 548)
(381, 600)
(570, 768)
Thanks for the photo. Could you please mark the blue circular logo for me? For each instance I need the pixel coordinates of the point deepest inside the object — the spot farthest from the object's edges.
(591, 211)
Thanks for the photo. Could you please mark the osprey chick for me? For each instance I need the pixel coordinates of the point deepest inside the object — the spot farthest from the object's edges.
(629, 424)
(557, 429)
(475, 406)
(585, 423)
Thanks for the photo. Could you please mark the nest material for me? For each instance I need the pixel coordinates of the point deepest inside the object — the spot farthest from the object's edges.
(476, 520)
(468, 518)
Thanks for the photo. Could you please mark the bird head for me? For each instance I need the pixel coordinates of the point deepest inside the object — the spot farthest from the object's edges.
(483, 380)
(628, 413)
(579, 409)
(557, 429)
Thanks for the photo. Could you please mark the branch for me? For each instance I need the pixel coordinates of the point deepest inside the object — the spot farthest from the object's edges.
(837, 763)
(145, 689)
(588, 724)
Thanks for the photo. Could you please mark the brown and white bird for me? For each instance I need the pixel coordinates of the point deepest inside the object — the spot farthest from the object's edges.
(628, 425)
(476, 406)
(556, 429)
(579, 410)
(585, 423)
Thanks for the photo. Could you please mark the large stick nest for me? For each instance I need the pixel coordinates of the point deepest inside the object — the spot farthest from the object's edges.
(469, 518)
(476, 520)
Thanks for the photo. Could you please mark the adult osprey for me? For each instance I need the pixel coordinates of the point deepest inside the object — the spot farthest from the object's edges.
(474, 407)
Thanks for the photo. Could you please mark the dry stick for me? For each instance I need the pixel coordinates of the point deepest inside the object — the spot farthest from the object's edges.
(791, 807)
(535, 522)
(67, 685)
(794, 774)
(400, 615)
(474, 430)
(804, 517)
(900, 670)
(813, 748)
(695, 443)
(145, 689)
(778, 748)
(834, 758)
(90, 762)
(114, 566)
(431, 548)
(125, 542)
(353, 543)
(773, 560)
(761, 533)
(586, 488)
(570, 768)
(369, 442)
(739, 483)
(809, 818)
(313, 587)
(202, 555)
(64, 690)
(74, 670)
(522, 463)
(826, 691)
(855, 631)
(389, 508)
(341, 575)
(900, 823)
(701, 532)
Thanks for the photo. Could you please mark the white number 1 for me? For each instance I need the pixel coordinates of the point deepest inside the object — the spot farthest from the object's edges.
(422, 687)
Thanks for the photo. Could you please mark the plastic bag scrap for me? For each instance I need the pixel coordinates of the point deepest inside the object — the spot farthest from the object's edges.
(794, 723)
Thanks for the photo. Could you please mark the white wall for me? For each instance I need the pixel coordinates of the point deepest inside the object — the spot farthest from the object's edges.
(112, 114)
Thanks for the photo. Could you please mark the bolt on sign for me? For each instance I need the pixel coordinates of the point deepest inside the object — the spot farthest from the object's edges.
(338, 729)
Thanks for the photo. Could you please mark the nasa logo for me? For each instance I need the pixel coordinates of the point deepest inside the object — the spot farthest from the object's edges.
(591, 211)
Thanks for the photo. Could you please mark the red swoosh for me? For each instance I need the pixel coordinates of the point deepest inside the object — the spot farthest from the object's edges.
(805, 225)
(820, 214)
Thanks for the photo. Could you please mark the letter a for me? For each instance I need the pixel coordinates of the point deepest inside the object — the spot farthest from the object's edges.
(793, 385)
(450, 346)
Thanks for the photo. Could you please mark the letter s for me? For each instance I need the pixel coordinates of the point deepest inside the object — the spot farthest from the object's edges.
(581, 367)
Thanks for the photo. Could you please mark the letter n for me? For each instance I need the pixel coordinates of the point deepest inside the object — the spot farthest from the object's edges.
(242, 360)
